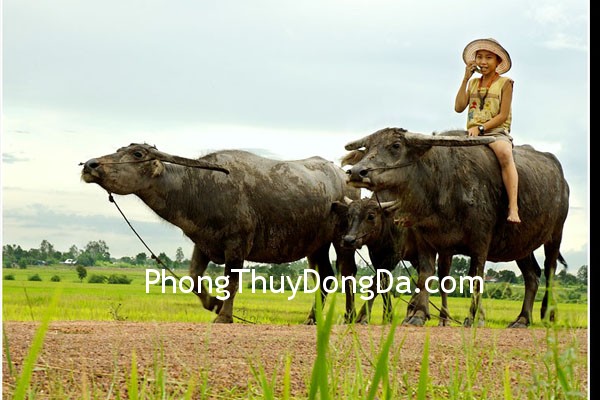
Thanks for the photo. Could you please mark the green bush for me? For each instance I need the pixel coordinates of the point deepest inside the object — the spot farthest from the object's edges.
(9, 277)
(55, 278)
(35, 277)
(95, 278)
(119, 279)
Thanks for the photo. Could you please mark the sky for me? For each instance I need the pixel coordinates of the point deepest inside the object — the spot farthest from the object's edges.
(284, 79)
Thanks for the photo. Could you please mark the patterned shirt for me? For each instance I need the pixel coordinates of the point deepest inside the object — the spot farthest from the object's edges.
(491, 98)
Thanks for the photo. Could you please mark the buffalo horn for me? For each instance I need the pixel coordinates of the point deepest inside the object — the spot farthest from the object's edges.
(390, 205)
(355, 145)
(421, 139)
(188, 162)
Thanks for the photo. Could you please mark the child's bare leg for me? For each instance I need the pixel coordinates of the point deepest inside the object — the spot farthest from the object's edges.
(503, 151)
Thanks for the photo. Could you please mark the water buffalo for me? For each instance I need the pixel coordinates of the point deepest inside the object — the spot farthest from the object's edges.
(374, 223)
(262, 210)
(450, 188)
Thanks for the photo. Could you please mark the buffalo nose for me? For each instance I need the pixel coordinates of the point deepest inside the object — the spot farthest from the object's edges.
(349, 240)
(91, 165)
(357, 173)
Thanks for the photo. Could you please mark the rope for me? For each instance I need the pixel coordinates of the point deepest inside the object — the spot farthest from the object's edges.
(400, 165)
(158, 260)
(413, 281)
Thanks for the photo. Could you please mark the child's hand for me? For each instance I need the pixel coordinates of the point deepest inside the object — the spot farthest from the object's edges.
(473, 131)
(470, 69)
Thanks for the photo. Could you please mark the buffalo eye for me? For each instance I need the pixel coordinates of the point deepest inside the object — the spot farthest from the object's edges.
(371, 217)
(396, 146)
(138, 154)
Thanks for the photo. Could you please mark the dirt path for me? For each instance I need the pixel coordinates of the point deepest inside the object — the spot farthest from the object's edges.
(96, 356)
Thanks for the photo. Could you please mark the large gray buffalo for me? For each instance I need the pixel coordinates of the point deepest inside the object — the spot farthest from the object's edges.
(236, 206)
(450, 190)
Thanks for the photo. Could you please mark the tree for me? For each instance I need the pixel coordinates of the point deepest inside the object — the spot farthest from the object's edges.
(86, 259)
(582, 274)
(179, 256)
(165, 259)
(565, 278)
(12, 254)
(73, 252)
(460, 266)
(491, 273)
(282, 270)
(507, 275)
(81, 272)
(46, 250)
(141, 259)
(127, 260)
(98, 251)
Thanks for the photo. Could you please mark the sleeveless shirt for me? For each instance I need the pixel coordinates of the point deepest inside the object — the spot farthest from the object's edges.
(491, 104)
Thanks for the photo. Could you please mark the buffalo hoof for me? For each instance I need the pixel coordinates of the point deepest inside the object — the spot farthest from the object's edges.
(413, 321)
(223, 319)
(215, 305)
(518, 324)
(468, 323)
(444, 322)
(350, 319)
(310, 321)
(362, 319)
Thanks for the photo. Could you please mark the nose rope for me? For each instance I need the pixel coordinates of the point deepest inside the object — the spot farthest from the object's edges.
(399, 165)
(158, 260)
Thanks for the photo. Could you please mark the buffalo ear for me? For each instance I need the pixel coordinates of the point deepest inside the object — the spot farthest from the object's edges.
(157, 168)
(339, 208)
(352, 157)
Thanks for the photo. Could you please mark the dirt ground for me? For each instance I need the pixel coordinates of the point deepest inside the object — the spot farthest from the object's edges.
(97, 356)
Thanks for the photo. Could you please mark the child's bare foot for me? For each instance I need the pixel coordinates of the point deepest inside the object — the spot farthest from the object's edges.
(513, 217)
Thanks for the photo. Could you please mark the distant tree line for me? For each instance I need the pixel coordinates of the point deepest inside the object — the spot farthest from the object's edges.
(97, 253)
(93, 254)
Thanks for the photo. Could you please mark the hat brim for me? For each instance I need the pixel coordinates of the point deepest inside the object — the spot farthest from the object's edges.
(490, 45)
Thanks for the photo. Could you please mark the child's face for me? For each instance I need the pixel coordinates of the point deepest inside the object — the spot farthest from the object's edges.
(486, 60)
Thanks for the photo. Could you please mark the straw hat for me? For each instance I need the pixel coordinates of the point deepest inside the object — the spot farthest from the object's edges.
(489, 45)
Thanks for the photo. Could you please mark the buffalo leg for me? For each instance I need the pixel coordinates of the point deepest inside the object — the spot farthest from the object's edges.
(388, 312)
(347, 267)
(226, 313)
(198, 266)
(364, 315)
(418, 307)
(531, 272)
(476, 312)
(444, 264)
(319, 261)
(551, 253)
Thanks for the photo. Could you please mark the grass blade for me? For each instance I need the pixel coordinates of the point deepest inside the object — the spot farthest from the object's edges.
(507, 391)
(320, 370)
(34, 350)
(381, 368)
(424, 373)
(133, 379)
(11, 368)
(286, 377)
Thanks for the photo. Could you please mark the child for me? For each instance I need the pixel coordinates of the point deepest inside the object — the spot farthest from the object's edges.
(489, 101)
